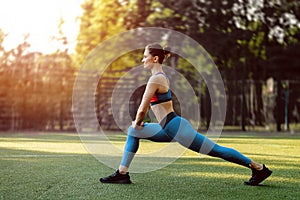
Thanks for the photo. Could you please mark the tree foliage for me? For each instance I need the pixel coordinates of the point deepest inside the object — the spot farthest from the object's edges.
(100, 20)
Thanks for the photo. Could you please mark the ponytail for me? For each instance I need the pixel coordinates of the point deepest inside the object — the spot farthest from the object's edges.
(167, 52)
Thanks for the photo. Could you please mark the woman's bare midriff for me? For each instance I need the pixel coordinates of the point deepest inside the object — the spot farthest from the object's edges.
(162, 110)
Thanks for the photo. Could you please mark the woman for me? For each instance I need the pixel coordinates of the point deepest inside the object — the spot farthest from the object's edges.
(171, 127)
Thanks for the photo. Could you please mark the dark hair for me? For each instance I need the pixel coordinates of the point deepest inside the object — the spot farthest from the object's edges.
(156, 49)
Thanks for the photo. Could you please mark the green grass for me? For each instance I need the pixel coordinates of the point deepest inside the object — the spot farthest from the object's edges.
(57, 166)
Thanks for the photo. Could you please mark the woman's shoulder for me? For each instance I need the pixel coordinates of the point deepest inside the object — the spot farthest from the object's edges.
(157, 78)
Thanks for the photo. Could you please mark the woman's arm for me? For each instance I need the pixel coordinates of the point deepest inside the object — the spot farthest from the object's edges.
(151, 88)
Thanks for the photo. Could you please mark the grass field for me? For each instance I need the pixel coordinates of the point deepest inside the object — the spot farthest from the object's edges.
(57, 166)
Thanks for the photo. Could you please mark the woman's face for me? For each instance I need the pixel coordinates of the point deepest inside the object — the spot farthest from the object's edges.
(148, 59)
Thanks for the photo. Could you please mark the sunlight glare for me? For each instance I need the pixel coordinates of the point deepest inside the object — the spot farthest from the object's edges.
(40, 18)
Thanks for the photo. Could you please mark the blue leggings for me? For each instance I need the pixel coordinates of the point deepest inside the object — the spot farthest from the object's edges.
(181, 131)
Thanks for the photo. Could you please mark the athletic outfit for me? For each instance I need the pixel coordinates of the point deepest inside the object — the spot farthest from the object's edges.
(176, 128)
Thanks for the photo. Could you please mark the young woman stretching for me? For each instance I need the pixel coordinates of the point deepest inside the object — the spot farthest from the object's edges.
(172, 127)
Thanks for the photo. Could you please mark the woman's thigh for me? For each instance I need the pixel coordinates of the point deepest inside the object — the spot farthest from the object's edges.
(150, 131)
(182, 131)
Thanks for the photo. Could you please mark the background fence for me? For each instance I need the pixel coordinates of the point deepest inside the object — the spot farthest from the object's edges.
(265, 105)
(40, 98)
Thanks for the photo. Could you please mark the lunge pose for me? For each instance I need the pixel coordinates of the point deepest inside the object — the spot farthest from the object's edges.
(172, 127)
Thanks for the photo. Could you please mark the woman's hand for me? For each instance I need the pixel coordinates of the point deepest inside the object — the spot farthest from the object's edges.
(137, 127)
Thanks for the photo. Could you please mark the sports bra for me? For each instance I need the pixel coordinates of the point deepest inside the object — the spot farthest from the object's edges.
(161, 97)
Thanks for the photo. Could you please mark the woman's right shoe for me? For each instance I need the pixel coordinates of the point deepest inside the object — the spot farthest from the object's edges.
(117, 178)
(258, 176)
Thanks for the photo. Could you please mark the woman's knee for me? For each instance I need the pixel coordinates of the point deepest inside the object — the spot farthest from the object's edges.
(135, 133)
(131, 131)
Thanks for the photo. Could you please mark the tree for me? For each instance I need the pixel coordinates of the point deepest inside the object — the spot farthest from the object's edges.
(100, 20)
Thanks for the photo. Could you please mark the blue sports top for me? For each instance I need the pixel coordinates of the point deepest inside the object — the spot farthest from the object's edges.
(161, 97)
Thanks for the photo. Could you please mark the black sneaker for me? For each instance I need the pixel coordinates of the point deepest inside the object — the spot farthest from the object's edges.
(258, 176)
(117, 178)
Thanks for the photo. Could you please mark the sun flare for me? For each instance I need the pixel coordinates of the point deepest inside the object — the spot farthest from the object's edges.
(39, 19)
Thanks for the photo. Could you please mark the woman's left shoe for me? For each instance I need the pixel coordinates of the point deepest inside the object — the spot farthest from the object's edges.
(117, 178)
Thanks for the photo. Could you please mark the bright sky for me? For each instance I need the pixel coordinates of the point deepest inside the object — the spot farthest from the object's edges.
(40, 18)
